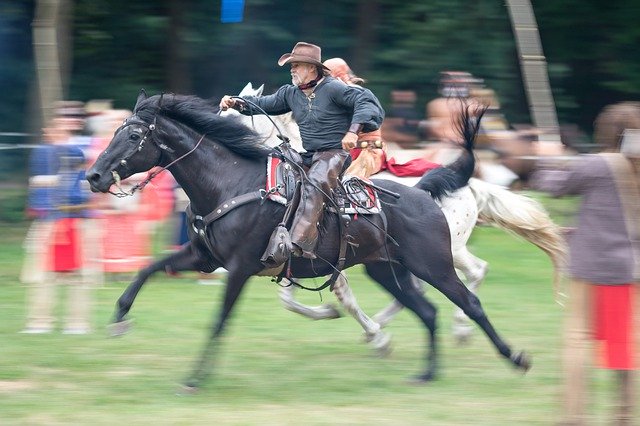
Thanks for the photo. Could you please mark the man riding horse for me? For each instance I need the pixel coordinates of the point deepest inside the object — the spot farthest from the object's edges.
(330, 114)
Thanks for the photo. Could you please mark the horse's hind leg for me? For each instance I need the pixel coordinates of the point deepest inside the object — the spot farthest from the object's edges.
(410, 297)
(474, 270)
(186, 259)
(448, 283)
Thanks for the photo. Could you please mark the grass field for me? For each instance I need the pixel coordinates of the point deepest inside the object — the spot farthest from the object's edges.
(276, 368)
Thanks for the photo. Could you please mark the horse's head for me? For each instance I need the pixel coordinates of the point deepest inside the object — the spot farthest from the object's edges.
(248, 90)
(132, 149)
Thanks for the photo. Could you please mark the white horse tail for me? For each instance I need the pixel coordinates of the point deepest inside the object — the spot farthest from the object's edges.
(525, 217)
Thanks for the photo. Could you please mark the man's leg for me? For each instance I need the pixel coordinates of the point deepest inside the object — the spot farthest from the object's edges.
(626, 401)
(576, 351)
(81, 282)
(40, 292)
(41, 299)
(627, 379)
(323, 174)
(79, 304)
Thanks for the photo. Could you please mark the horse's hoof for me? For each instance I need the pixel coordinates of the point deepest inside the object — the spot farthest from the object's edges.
(463, 339)
(422, 379)
(522, 360)
(381, 343)
(462, 334)
(119, 328)
(187, 389)
(329, 312)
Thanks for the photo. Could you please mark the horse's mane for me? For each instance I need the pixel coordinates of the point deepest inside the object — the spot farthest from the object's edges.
(201, 116)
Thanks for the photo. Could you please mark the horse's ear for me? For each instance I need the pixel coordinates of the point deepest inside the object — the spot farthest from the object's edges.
(260, 90)
(246, 90)
(141, 96)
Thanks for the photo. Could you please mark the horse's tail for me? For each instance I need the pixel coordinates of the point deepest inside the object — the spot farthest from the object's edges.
(525, 217)
(443, 180)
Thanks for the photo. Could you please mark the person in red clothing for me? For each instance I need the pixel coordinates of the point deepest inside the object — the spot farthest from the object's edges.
(604, 271)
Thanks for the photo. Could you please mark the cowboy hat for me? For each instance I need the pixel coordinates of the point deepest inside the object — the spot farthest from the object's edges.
(303, 52)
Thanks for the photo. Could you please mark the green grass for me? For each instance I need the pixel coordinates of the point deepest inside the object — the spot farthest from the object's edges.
(277, 368)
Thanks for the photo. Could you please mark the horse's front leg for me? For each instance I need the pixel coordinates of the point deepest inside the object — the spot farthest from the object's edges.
(326, 311)
(204, 366)
(187, 259)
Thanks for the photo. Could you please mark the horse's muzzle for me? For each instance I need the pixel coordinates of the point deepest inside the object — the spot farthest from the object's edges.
(98, 182)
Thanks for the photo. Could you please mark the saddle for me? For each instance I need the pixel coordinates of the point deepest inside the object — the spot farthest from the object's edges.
(284, 185)
(354, 195)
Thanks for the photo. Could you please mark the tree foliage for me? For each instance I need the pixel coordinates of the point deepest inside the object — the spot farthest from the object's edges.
(173, 45)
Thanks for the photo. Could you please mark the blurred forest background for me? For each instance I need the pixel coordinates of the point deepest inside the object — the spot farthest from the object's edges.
(111, 49)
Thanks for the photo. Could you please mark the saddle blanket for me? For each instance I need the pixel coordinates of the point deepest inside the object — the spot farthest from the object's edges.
(355, 197)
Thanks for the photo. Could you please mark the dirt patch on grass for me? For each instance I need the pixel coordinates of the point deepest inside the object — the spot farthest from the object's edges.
(9, 386)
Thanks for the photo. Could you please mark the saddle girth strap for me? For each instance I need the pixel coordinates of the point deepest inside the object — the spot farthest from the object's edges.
(344, 221)
(199, 223)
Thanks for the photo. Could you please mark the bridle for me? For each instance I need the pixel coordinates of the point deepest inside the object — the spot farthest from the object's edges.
(147, 134)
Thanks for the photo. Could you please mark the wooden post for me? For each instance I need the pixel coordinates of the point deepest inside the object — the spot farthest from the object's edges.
(533, 66)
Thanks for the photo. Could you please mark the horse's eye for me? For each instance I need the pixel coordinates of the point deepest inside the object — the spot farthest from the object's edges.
(134, 137)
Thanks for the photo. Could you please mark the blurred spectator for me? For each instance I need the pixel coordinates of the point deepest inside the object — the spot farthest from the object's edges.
(181, 236)
(56, 249)
(442, 112)
(613, 120)
(402, 122)
(128, 223)
(604, 266)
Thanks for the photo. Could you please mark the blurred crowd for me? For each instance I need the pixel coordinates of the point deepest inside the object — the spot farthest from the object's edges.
(78, 239)
(504, 150)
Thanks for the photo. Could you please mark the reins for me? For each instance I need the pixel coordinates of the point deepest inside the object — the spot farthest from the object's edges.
(140, 186)
(242, 100)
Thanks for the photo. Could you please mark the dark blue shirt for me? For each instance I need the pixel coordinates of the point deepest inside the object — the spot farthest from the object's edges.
(324, 117)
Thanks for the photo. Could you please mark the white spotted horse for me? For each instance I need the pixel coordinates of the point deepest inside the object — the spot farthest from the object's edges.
(494, 205)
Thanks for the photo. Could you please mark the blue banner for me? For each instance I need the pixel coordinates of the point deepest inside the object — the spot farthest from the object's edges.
(232, 11)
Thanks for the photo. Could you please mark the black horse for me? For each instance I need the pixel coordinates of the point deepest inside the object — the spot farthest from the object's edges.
(221, 165)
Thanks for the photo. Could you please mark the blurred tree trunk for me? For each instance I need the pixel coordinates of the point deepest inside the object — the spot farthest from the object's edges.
(178, 78)
(65, 43)
(47, 60)
(365, 31)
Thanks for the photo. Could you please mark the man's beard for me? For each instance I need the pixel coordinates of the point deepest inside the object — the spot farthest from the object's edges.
(295, 80)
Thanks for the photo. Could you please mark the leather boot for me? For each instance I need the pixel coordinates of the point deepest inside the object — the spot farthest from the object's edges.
(324, 174)
(304, 230)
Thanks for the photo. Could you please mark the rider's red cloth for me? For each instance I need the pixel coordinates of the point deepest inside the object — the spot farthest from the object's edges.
(415, 167)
